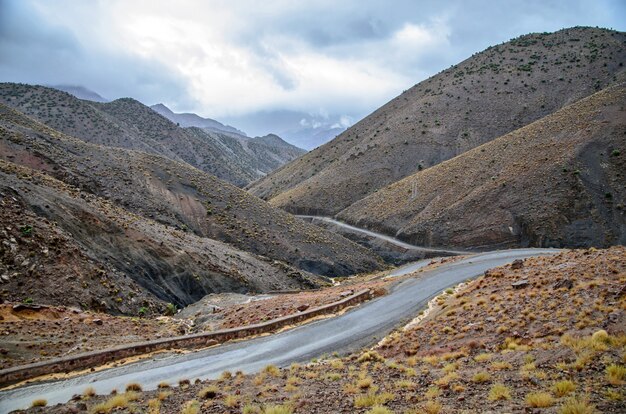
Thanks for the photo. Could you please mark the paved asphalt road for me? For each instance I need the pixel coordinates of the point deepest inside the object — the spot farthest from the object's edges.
(360, 327)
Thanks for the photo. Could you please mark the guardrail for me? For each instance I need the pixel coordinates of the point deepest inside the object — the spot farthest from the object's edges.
(96, 358)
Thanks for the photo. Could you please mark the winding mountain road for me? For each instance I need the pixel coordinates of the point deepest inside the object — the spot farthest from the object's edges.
(381, 236)
(360, 327)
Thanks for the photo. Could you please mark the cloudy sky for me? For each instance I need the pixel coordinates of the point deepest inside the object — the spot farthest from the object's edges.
(335, 60)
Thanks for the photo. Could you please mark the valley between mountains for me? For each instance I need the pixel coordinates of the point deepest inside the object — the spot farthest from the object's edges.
(483, 210)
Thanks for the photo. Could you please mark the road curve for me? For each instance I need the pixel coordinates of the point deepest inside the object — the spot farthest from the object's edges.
(384, 237)
(349, 332)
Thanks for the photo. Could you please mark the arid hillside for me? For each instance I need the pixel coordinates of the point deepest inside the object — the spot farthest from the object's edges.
(557, 182)
(486, 96)
(127, 123)
(179, 196)
(69, 247)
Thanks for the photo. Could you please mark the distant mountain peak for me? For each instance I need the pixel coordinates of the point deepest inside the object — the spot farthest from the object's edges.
(194, 120)
(81, 92)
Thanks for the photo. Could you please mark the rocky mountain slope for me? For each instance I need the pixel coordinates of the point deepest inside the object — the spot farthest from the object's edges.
(127, 123)
(559, 181)
(193, 120)
(486, 96)
(179, 196)
(99, 256)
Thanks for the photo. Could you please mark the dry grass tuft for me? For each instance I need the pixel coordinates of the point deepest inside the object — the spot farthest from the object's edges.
(577, 405)
(499, 392)
(190, 407)
(371, 399)
(539, 400)
(563, 388)
(615, 374)
(133, 386)
(481, 377)
(40, 402)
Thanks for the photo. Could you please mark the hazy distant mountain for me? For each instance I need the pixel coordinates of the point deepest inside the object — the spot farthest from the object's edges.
(311, 138)
(301, 129)
(194, 120)
(81, 92)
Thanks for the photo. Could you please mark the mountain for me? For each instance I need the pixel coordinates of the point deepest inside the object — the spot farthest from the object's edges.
(127, 123)
(179, 196)
(193, 120)
(486, 96)
(558, 182)
(301, 129)
(81, 92)
(310, 138)
(81, 250)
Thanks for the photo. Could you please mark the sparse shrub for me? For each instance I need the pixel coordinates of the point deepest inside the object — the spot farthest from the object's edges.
(208, 392)
(40, 402)
(278, 409)
(483, 357)
(615, 374)
(89, 392)
(501, 365)
(563, 388)
(404, 384)
(133, 386)
(162, 395)
(499, 391)
(577, 405)
(154, 406)
(370, 356)
(251, 409)
(379, 409)
(190, 407)
(272, 370)
(184, 383)
(615, 152)
(336, 364)
(26, 230)
(163, 385)
(432, 392)
(481, 377)
(431, 407)
(226, 375)
(116, 401)
(170, 309)
(364, 382)
(539, 400)
(371, 398)
(231, 401)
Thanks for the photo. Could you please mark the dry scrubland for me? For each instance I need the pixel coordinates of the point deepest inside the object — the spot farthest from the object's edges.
(556, 345)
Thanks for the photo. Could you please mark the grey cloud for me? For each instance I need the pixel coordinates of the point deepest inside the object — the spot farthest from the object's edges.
(33, 50)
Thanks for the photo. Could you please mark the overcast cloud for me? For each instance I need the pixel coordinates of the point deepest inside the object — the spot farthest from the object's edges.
(336, 60)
